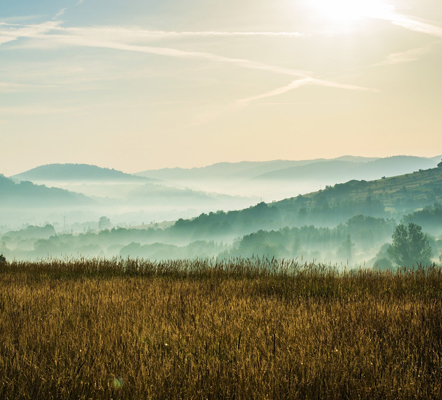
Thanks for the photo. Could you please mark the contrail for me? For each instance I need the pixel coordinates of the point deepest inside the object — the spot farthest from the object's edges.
(85, 38)
(142, 33)
(170, 52)
(298, 83)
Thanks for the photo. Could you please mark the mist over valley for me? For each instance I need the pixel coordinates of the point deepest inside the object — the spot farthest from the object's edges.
(83, 210)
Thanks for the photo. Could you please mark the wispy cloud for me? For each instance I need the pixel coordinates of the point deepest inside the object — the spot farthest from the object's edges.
(92, 38)
(152, 34)
(20, 18)
(11, 32)
(291, 86)
(171, 52)
(415, 25)
(208, 116)
(8, 87)
(405, 56)
(87, 40)
(224, 34)
(60, 13)
(336, 85)
(122, 39)
(307, 77)
(111, 32)
(297, 84)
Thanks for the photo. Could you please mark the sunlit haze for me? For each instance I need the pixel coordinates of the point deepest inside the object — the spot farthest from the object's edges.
(139, 85)
(350, 10)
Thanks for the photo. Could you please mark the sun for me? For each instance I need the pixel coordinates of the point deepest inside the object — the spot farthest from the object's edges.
(347, 11)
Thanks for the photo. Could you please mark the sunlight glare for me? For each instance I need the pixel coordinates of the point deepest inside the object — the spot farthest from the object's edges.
(351, 10)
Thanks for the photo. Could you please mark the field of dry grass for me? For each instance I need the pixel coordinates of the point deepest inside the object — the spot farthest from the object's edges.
(239, 329)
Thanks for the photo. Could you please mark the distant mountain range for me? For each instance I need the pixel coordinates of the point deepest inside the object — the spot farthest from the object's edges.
(336, 170)
(27, 194)
(198, 187)
(240, 170)
(113, 188)
(77, 172)
(346, 170)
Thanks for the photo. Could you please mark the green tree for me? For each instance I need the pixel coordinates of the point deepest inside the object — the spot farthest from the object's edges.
(2, 258)
(383, 264)
(104, 223)
(410, 247)
(346, 249)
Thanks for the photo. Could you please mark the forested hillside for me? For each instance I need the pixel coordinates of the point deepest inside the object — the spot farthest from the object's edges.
(346, 223)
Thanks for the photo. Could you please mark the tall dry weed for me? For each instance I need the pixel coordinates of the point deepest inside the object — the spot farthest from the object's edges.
(233, 329)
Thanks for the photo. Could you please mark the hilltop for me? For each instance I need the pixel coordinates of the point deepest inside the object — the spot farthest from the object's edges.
(338, 169)
(342, 170)
(77, 172)
(116, 188)
(280, 179)
(240, 170)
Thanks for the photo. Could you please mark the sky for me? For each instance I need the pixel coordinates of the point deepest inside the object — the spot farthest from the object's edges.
(147, 84)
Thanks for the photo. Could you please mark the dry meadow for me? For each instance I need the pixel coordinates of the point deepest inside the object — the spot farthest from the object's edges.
(234, 329)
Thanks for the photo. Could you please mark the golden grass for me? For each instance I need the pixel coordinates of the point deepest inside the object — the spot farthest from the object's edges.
(238, 329)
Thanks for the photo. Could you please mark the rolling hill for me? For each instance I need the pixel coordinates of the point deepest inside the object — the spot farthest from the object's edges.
(116, 188)
(77, 172)
(343, 170)
(280, 179)
(235, 171)
(416, 189)
(384, 198)
(27, 194)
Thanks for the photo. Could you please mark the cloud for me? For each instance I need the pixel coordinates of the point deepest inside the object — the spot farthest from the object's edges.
(87, 38)
(60, 13)
(20, 18)
(297, 84)
(169, 52)
(141, 33)
(415, 25)
(10, 32)
(118, 33)
(224, 34)
(208, 116)
(291, 86)
(405, 56)
(118, 39)
(336, 85)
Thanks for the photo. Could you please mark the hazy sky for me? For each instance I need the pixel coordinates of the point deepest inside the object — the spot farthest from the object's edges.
(141, 84)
